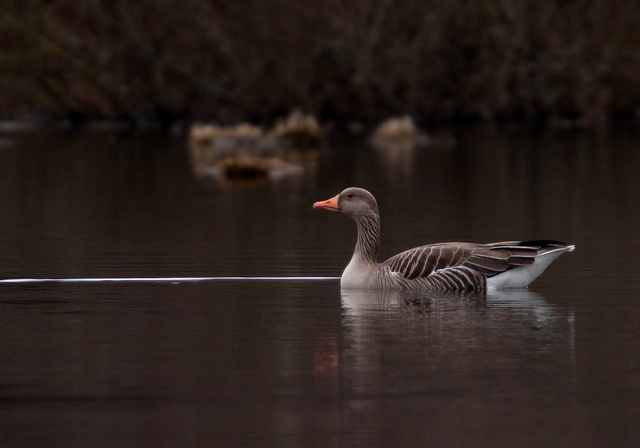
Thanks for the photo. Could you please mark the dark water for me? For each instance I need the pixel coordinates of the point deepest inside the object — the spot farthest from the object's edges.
(298, 363)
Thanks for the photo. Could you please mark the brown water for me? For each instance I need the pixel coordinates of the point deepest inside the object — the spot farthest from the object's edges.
(299, 363)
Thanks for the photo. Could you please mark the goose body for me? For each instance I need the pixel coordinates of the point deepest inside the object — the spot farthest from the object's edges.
(439, 267)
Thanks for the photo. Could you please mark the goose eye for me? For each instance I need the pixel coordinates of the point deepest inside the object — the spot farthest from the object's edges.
(349, 195)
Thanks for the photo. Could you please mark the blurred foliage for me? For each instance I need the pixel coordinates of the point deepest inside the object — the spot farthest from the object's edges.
(227, 61)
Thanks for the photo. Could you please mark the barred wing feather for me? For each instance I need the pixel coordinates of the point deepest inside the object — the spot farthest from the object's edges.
(486, 259)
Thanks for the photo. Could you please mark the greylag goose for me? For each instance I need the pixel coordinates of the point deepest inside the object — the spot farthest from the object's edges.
(440, 267)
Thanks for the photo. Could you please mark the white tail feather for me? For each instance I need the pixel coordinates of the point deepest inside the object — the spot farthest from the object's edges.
(521, 277)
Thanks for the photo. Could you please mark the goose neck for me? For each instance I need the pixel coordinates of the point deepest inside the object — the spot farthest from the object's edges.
(368, 239)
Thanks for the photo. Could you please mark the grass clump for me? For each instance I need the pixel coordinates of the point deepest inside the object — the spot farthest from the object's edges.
(298, 130)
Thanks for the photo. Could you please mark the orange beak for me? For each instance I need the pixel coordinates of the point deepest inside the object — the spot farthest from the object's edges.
(329, 204)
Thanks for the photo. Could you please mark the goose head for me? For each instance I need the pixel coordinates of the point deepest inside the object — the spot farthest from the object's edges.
(354, 202)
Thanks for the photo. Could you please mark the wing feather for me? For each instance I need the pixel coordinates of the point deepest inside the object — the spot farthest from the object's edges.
(464, 266)
(457, 278)
(423, 261)
(487, 259)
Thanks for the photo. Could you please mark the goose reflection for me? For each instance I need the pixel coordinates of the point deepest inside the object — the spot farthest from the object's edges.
(478, 315)
(466, 348)
(370, 302)
(473, 325)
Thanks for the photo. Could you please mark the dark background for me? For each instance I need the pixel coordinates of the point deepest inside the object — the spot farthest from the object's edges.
(440, 61)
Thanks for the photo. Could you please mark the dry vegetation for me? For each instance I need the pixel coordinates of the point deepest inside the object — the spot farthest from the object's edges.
(245, 152)
(247, 60)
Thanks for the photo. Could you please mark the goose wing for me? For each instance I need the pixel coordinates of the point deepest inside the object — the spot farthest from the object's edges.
(422, 261)
(438, 267)
(486, 259)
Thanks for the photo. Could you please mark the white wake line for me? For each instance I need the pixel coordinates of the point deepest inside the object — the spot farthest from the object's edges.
(157, 279)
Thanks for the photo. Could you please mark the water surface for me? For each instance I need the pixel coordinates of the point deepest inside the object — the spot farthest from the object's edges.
(301, 363)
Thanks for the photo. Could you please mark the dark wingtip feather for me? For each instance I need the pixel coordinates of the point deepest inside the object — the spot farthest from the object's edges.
(543, 243)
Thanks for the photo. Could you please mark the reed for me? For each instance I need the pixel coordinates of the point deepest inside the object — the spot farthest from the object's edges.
(339, 60)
